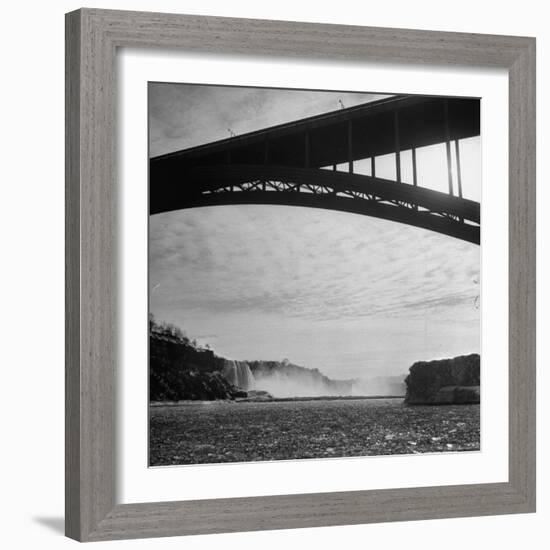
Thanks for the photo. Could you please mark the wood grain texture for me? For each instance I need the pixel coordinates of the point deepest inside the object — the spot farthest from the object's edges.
(90, 283)
(72, 278)
(522, 275)
(92, 37)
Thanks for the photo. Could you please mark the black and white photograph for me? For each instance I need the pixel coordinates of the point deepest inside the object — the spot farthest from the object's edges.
(270, 275)
(314, 274)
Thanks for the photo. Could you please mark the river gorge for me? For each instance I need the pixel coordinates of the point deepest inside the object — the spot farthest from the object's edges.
(210, 409)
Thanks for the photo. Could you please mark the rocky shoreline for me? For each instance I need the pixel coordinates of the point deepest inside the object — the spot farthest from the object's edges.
(229, 431)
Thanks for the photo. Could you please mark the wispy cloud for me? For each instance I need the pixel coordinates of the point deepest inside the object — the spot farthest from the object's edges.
(312, 265)
(341, 292)
(182, 115)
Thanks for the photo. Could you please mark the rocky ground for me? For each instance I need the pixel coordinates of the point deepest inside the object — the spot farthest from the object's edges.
(223, 431)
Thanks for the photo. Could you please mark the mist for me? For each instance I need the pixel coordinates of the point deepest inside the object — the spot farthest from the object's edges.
(284, 379)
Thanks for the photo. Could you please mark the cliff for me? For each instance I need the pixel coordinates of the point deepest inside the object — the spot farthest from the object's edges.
(178, 370)
(444, 381)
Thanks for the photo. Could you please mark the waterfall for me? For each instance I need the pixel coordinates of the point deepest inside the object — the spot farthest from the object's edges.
(239, 374)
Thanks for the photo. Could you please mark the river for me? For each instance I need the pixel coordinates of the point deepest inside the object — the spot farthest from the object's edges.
(227, 431)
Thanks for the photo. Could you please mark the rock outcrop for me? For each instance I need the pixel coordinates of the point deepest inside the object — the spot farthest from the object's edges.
(444, 381)
(178, 371)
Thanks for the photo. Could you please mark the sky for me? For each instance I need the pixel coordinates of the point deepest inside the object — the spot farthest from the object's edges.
(350, 295)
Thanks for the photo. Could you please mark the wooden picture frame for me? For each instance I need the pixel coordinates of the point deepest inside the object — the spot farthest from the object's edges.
(92, 39)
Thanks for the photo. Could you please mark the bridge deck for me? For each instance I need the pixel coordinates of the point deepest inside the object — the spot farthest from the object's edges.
(421, 123)
(282, 164)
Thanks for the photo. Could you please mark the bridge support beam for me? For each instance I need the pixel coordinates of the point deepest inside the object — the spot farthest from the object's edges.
(458, 171)
(415, 178)
(397, 147)
(448, 145)
(350, 146)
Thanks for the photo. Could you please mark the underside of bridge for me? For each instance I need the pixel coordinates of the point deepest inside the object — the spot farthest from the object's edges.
(295, 164)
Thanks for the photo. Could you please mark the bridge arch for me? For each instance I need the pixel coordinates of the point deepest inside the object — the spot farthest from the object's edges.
(316, 188)
(286, 165)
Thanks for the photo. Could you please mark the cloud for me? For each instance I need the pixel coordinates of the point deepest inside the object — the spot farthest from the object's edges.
(185, 115)
(332, 290)
(306, 263)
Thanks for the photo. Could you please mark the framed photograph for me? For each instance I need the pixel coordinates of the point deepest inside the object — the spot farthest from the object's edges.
(300, 282)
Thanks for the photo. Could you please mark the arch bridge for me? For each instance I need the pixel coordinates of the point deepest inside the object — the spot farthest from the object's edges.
(300, 164)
